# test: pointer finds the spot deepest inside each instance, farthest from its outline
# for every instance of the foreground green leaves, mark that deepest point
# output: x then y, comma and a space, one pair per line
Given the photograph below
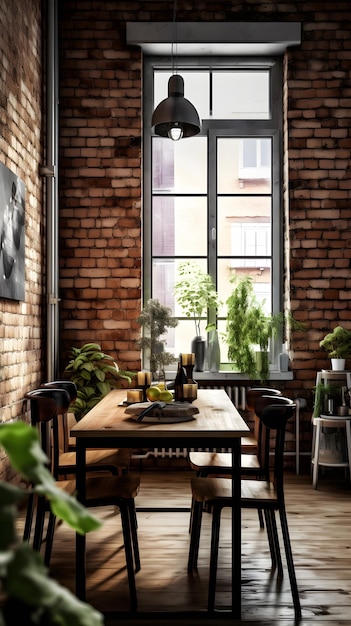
31, 597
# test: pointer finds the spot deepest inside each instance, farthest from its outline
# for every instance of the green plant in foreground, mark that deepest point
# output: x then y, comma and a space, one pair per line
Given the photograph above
95, 374
29, 596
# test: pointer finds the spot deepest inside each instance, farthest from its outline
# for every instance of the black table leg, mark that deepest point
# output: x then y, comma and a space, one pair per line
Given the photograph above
80, 539
236, 529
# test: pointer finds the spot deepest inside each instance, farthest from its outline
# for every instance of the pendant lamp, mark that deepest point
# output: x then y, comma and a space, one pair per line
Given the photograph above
175, 117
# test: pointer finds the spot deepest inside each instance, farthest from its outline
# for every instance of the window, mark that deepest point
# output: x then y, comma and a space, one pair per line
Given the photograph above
215, 198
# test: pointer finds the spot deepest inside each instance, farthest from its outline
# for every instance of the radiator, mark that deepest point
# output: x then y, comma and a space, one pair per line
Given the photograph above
238, 397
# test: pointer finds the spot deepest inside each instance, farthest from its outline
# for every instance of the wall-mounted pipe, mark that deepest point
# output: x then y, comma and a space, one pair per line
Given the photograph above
50, 171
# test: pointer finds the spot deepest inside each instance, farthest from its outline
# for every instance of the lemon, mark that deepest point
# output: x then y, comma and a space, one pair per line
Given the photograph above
153, 393
165, 396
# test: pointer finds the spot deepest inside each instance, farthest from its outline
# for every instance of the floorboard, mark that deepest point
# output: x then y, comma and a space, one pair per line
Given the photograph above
319, 523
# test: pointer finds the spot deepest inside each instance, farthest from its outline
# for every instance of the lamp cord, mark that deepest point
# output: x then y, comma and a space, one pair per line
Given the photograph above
174, 35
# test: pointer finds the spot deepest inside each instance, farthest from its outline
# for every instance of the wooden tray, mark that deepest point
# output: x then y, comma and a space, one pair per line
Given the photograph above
172, 412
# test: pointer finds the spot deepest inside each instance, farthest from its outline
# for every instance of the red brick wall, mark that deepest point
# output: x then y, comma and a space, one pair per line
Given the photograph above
21, 327
100, 176
100, 134
100, 155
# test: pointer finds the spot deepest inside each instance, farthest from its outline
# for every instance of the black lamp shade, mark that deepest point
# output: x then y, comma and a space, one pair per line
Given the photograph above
176, 115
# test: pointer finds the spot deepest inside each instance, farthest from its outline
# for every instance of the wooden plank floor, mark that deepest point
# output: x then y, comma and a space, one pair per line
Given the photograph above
319, 522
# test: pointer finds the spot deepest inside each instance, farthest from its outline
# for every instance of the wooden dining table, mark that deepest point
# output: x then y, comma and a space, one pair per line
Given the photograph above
218, 424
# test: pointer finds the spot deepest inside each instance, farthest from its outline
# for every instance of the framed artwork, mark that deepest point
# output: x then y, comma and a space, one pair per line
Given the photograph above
12, 274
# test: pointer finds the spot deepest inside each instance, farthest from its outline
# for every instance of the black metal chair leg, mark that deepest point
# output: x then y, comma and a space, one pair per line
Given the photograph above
195, 536
134, 533
39, 524
216, 523
49, 538
29, 517
260, 518
290, 564
129, 554
278, 555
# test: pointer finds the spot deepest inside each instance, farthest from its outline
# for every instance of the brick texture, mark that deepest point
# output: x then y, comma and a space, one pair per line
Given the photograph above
101, 169
21, 140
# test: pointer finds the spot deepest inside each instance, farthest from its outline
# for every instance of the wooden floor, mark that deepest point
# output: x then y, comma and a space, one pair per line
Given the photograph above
320, 528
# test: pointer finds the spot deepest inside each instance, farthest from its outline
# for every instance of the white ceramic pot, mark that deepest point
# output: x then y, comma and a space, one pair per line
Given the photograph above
338, 364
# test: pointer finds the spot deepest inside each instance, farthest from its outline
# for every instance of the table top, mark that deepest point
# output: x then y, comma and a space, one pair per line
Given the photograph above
217, 418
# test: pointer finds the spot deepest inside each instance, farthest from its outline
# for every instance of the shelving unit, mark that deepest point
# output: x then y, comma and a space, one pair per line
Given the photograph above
325, 421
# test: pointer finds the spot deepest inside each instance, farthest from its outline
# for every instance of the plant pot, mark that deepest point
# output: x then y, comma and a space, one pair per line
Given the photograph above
262, 363
198, 347
338, 364
213, 353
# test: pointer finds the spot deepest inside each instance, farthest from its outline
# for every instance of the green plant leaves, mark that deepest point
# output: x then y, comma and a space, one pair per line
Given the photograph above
95, 374
22, 446
337, 343
42, 597
195, 292
30, 596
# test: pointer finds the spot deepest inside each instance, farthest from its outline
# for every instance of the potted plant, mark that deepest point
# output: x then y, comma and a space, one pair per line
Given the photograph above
154, 319
95, 374
248, 325
29, 595
196, 294
338, 345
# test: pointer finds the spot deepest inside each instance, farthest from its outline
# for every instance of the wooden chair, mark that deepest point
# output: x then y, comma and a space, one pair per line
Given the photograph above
111, 490
114, 461
207, 463
262, 495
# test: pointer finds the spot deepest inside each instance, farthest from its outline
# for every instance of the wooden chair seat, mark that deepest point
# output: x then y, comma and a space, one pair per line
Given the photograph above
220, 462
249, 444
116, 461
252, 491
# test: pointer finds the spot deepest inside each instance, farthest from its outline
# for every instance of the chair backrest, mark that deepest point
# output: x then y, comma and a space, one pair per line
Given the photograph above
262, 401
274, 418
63, 428
256, 392
252, 396
68, 385
45, 406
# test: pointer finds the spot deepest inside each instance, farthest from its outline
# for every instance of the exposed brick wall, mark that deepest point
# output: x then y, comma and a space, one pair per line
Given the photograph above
101, 168
100, 176
21, 325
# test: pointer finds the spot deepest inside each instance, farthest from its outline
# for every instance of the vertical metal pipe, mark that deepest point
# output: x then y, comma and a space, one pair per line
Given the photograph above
51, 172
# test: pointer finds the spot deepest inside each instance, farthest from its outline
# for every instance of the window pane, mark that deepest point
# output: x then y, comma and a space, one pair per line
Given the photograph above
241, 95
261, 280
196, 89
174, 222
179, 166
244, 165
164, 276
244, 226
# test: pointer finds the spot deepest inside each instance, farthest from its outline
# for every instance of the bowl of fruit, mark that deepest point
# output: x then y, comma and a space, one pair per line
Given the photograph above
154, 393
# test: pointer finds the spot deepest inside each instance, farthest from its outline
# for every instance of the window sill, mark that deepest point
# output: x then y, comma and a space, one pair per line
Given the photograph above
223, 376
